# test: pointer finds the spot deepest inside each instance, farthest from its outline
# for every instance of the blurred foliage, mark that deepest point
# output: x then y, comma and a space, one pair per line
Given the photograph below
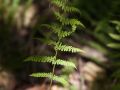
11, 54
8, 8
101, 17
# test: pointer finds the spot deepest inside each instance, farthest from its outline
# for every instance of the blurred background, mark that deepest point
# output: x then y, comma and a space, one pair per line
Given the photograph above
99, 66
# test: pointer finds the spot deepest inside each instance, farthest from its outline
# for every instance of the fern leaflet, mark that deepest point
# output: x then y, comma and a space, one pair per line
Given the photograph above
51, 76
67, 48
50, 59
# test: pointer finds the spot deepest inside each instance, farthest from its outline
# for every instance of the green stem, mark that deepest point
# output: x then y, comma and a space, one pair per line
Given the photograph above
53, 70
52, 77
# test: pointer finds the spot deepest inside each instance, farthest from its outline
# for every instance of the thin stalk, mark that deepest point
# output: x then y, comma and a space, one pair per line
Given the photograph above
53, 70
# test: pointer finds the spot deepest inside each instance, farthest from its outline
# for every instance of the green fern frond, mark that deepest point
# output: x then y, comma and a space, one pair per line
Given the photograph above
54, 27
63, 34
64, 6
62, 18
116, 22
67, 48
68, 21
51, 76
70, 9
58, 29
114, 45
76, 22
47, 59
65, 63
114, 36
60, 80
58, 3
50, 59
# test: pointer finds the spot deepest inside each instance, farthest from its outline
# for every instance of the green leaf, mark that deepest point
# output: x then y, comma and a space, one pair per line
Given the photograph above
51, 76
60, 80
67, 48
65, 63
114, 36
47, 59
50, 59
58, 30
67, 21
114, 45
54, 27
64, 6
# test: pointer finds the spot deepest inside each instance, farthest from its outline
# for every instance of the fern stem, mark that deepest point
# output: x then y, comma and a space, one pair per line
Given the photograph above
53, 70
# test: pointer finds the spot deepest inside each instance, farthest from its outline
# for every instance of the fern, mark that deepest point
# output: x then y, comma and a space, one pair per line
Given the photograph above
67, 48
59, 29
67, 21
50, 59
115, 36
64, 6
115, 45
51, 76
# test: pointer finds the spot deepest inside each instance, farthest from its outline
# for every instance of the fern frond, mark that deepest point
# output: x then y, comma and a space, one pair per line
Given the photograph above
62, 18
70, 9
64, 6
117, 25
68, 21
60, 80
54, 27
65, 63
63, 34
114, 36
58, 30
50, 59
51, 76
116, 22
47, 59
67, 48
114, 45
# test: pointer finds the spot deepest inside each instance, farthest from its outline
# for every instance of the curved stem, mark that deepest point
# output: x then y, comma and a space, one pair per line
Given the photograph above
53, 71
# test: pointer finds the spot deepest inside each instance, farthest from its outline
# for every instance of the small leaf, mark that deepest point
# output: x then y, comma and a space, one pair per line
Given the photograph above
114, 36
51, 76
114, 45
48, 59
65, 63
67, 48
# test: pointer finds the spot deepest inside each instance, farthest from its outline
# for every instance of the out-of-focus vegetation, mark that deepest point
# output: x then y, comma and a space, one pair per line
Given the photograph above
102, 17
20, 22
